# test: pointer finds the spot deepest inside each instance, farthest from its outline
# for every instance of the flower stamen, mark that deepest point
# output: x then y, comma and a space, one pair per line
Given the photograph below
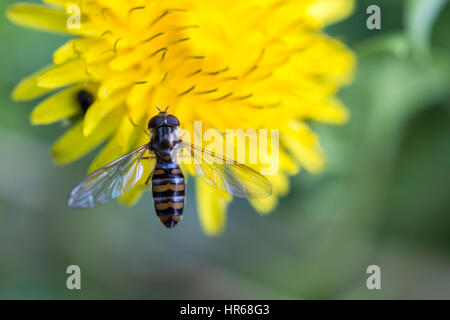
195, 57
187, 91
223, 97
105, 33
215, 73
163, 50
194, 73
207, 91
103, 13
230, 78
252, 69
135, 8
243, 97
114, 49
165, 13
180, 40
153, 37
187, 27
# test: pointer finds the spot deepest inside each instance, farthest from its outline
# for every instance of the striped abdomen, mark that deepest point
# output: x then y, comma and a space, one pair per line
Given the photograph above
168, 193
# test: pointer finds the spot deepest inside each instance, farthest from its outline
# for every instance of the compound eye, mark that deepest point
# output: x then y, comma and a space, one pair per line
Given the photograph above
172, 120
156, 121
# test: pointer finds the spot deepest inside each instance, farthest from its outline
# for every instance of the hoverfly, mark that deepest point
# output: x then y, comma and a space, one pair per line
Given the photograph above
168, 183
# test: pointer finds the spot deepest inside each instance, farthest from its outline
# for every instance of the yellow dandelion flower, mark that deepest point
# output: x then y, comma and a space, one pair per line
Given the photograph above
231, 64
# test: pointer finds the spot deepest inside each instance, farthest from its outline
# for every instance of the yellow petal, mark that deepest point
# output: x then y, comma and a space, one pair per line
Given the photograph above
73, 144
288, 164
280, 183
72, 49
100, 109
331, 111
127, 134
303, 144
264, 205
27, 89
109, 153
59, 106
65, 52
98, 70
188, 167
211, 208
118, 81
330, 11
61, 75
38, 17
131, 197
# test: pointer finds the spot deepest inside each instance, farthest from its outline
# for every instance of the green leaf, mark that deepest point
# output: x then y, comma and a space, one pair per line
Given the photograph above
420, 17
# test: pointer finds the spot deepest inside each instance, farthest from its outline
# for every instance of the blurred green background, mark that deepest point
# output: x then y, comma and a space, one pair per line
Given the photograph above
384, 199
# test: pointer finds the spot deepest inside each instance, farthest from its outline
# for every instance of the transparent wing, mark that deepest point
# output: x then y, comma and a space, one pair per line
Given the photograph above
109, 182
230, 176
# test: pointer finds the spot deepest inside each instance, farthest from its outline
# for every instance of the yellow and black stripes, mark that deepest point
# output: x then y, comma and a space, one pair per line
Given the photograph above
168, 192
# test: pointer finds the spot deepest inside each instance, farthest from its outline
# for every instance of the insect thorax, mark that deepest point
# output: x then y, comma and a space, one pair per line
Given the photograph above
163, 142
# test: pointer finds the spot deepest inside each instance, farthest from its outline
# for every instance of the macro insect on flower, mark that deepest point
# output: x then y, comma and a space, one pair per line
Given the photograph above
230, 64
168, 183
